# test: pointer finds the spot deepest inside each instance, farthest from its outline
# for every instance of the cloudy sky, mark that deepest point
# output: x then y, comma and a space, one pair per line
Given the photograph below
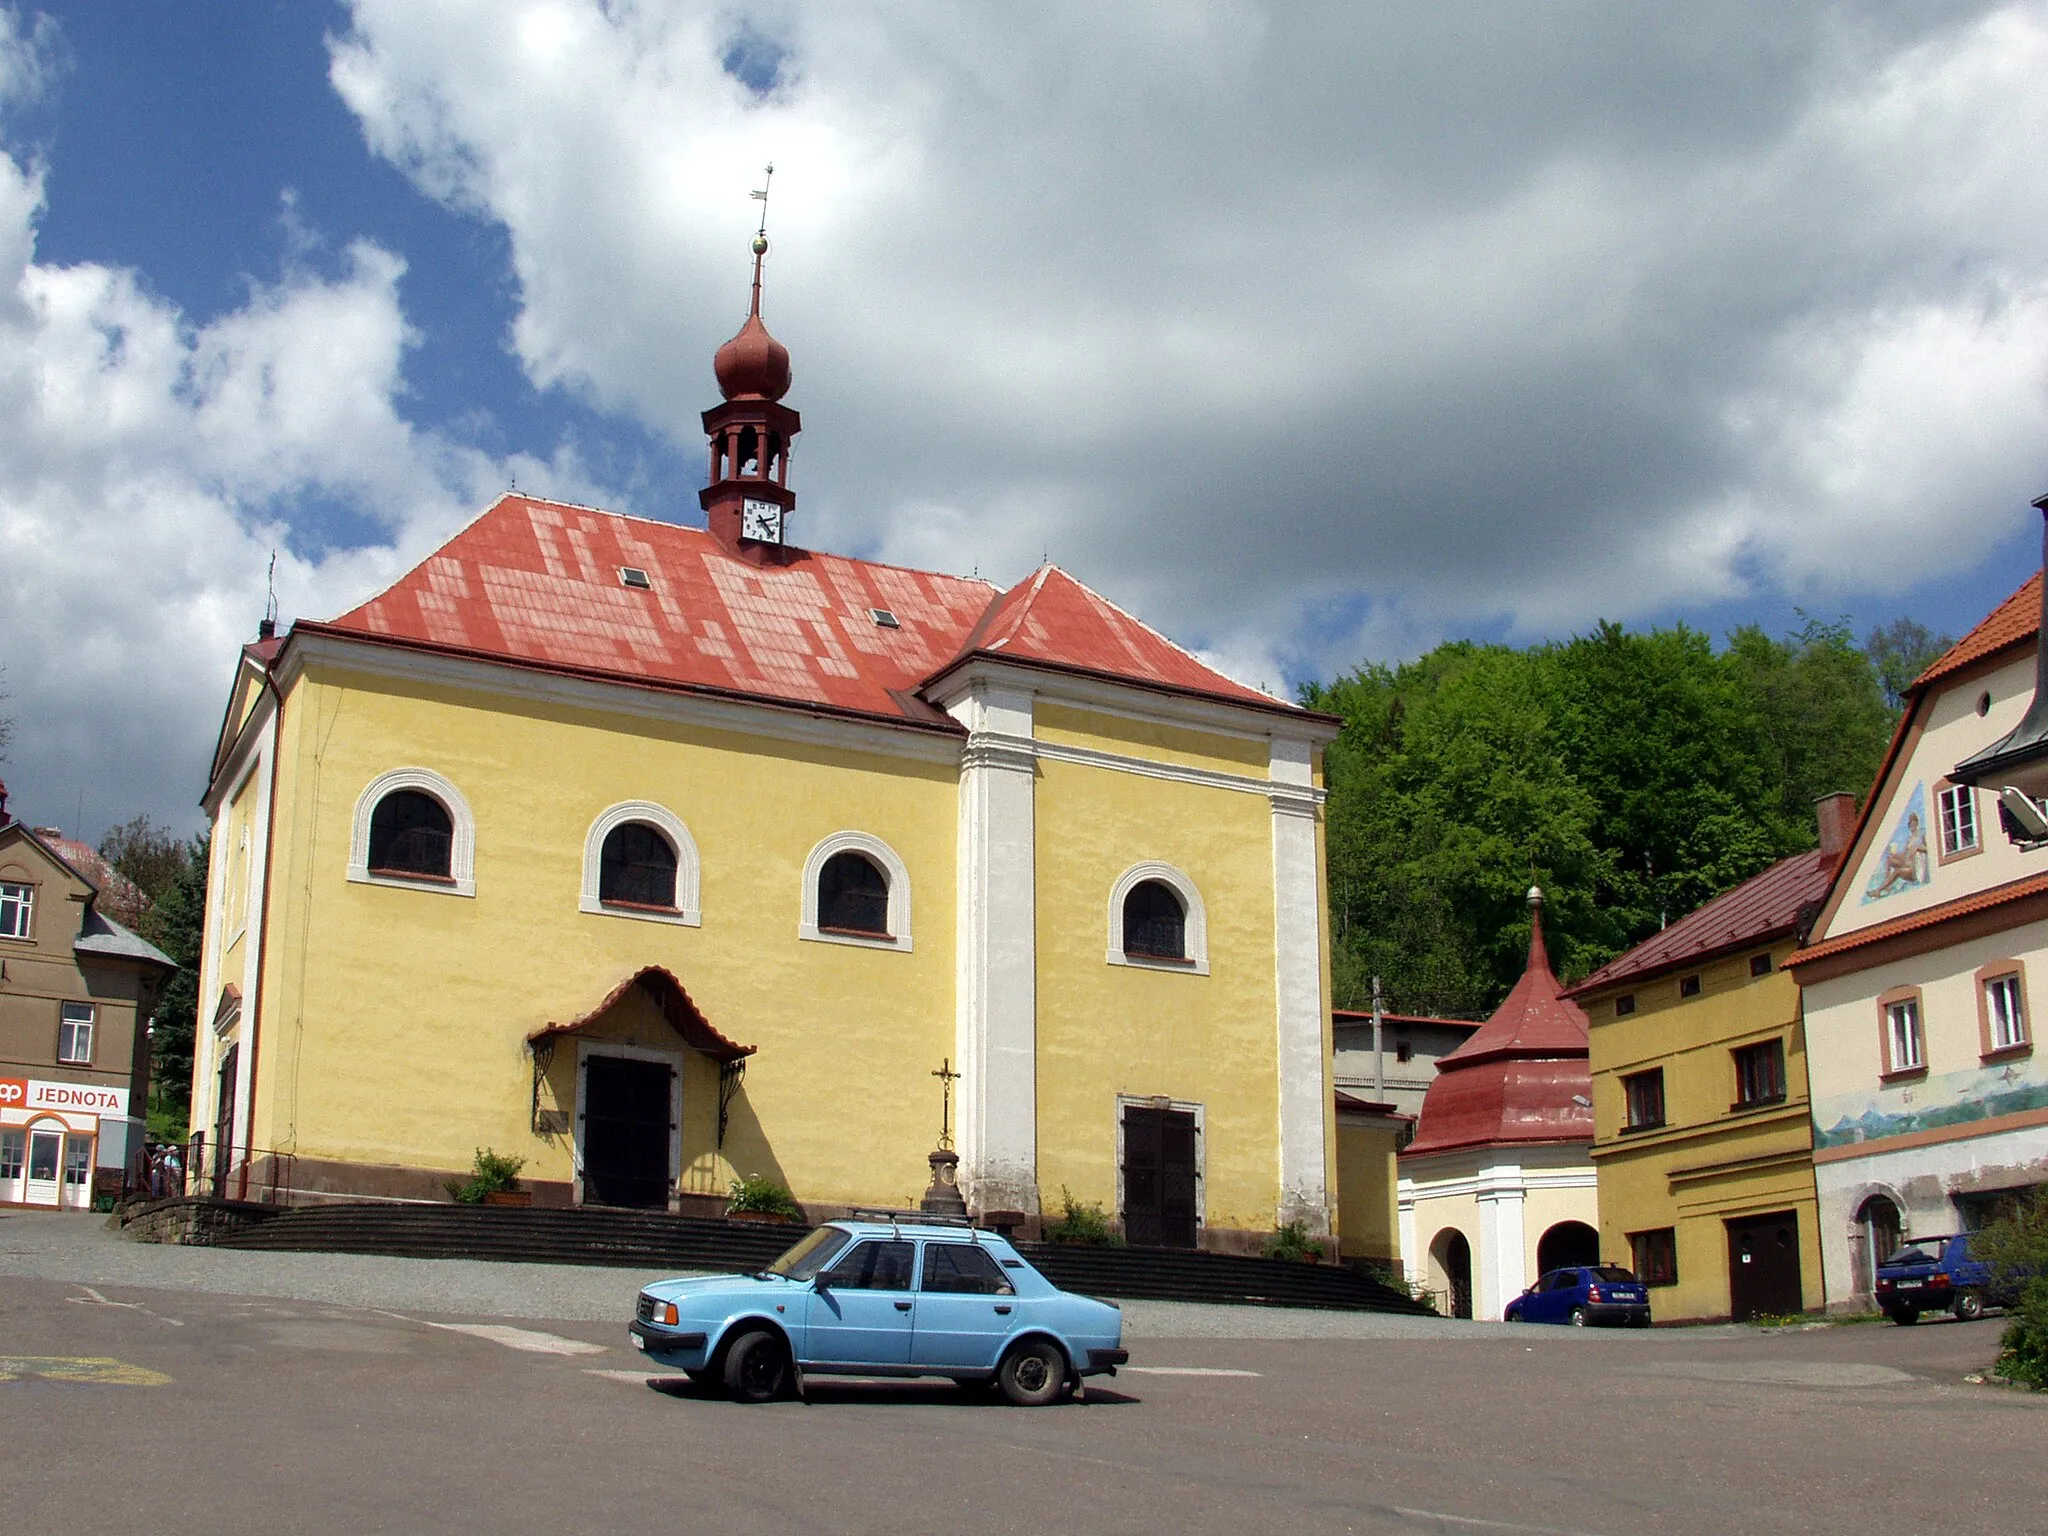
1313, 334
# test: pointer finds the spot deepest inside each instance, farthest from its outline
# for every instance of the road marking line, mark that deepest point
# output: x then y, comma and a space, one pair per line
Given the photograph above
1182, 1370
528, 1339
632, 1378
87, 1370
93, 1298
1481, 1525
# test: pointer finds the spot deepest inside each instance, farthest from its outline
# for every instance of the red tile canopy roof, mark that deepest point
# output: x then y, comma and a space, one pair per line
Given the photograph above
1764, 907
1523, 1077
539, 583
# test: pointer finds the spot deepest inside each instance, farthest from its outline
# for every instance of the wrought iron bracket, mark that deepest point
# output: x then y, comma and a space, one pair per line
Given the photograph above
730, 1074
543, 1058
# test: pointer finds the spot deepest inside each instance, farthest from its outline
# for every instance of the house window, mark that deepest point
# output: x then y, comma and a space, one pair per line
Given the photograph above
637, 867
1155, 924
2002, 1007
1656, 1256
1688, 986
1760, 965
1403, 1051
77, 1161
1624, 1005
74, 1034
1957, 809
1760, 1073
1904, 1049
853, 895
17, 908
411, 834
1643, 1093
13, 1146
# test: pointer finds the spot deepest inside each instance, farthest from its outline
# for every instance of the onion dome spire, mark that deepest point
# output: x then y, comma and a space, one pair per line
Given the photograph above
754, 365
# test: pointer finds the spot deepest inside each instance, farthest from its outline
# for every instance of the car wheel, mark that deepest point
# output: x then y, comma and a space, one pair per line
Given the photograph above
1969, 1306
757, 1367
1906, 1317
1512, 1315
1580, 1317
1033, 1374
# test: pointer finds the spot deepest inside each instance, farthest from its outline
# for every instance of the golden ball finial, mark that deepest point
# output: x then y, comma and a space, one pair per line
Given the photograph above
760, 245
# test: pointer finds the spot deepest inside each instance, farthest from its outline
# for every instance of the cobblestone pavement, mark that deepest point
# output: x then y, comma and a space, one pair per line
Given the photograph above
82, 1248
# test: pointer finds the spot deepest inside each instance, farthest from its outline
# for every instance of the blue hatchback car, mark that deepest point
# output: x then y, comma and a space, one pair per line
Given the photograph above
1583, 1295
883, 1298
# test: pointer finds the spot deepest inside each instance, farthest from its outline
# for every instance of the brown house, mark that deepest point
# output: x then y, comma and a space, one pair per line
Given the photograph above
76, 991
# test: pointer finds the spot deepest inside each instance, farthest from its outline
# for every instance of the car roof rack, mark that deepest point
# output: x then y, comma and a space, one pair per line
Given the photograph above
902, 1218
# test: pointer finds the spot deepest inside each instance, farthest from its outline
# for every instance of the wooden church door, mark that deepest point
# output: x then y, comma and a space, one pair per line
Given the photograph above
1159, 1177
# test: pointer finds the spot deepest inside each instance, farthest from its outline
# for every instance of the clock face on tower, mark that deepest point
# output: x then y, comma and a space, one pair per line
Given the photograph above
761, 521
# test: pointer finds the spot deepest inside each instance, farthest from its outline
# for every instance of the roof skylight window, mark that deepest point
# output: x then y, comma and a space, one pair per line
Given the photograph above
884, 619
633, 576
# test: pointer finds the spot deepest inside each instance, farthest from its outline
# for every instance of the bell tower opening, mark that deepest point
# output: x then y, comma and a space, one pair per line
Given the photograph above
748, 500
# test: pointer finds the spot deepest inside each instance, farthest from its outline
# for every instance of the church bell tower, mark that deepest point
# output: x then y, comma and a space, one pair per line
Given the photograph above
748, 499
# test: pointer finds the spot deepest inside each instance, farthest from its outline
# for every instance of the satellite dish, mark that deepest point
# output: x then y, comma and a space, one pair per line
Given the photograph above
2022, 813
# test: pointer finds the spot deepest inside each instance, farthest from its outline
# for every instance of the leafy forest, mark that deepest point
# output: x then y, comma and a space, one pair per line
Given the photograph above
1632, 775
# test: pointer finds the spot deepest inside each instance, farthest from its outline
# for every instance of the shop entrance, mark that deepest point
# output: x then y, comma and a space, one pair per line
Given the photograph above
45, 1162
1763, 1267
627, 1124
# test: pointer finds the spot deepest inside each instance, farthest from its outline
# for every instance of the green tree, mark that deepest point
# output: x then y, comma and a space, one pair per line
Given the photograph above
1823, 712
151, 856
1901, 651
176, 925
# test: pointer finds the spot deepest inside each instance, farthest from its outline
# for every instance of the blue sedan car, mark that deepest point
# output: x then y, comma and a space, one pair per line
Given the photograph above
1582, 1295
883, 1298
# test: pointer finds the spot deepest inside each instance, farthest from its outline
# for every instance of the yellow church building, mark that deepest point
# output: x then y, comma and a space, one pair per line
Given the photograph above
662, 856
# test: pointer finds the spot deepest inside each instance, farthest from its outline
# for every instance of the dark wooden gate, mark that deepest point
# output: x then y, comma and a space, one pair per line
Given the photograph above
1159, 1177
626, 1131
1763, 1266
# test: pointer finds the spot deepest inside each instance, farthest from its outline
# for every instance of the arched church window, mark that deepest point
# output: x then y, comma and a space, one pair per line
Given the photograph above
411, 833
853, 895
637, 867
1155, 923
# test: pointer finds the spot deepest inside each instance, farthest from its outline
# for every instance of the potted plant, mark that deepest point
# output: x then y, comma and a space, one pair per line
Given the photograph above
494, 1180
1293, 1244
760, 1198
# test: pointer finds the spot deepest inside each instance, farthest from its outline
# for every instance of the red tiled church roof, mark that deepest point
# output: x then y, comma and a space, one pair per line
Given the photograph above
2012, 622
537, 582
1765, 906
1523, 1077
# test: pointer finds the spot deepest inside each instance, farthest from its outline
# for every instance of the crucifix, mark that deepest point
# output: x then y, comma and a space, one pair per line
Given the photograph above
947, 1077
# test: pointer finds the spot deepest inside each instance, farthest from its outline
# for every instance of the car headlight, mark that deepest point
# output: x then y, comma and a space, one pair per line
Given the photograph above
664, 1313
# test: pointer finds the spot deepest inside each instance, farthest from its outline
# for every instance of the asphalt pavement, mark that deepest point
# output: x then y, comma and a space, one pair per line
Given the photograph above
187, 1390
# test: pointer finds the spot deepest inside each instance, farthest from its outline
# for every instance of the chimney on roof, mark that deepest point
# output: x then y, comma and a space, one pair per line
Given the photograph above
3, 802
266, 628
1837, 816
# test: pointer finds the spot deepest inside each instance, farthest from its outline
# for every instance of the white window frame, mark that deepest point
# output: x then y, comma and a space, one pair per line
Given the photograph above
462, 845
1903, 1026
1956, 812
2007, 1025
75, 1171
893, 870
13, 1152
1195, 928
68, 1024
22, 896
687, 912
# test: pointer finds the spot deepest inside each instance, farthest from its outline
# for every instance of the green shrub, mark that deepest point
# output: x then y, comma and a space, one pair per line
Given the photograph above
764, 1197
489, 1174
2016, 1248
1292, 1242
1084, 1224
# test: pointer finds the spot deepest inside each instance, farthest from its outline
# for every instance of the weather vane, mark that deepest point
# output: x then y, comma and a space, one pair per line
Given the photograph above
947, 1077
760, 195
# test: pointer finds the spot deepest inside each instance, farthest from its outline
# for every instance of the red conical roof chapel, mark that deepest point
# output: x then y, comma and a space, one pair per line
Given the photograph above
1523, 1077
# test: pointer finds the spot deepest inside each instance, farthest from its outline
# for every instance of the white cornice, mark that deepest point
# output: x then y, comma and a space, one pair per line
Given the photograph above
1300, 798
778, 723
1248, 722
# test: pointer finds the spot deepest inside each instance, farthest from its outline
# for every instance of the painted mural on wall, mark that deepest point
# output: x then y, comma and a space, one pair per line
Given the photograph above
1952, 1098
1902, 861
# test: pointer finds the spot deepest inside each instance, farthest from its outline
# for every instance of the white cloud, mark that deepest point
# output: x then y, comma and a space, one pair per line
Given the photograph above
152, 467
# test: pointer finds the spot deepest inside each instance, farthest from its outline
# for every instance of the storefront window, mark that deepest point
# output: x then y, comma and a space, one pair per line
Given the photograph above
13, 1145
77, 1161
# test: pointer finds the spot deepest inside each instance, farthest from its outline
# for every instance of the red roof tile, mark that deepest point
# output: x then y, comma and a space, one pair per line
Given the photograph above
538, 582
676, 1006
1765, 906
1962, 906
1522, 1078
2013, 621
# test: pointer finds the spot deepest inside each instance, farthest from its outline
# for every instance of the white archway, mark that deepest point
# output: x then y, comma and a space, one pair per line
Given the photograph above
1195, 932
462, 825
687, 912
893, 870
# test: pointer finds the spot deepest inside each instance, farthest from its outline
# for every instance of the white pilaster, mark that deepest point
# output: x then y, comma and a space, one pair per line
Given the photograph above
1301, 1016
1414, 1262
996, 1008
1502, 1241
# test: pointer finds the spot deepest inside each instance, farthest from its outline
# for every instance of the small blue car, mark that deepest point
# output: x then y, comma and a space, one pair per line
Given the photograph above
1937, 1274
1582, 1295
883, 1298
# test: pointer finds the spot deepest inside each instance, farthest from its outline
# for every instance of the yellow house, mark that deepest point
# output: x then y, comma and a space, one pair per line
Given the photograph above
1703, 1140
662, 856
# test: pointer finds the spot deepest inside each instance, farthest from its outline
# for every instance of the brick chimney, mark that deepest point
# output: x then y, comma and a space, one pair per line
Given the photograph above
1837, 816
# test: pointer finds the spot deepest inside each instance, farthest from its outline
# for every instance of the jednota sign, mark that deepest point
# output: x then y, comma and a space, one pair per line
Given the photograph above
77, 1098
